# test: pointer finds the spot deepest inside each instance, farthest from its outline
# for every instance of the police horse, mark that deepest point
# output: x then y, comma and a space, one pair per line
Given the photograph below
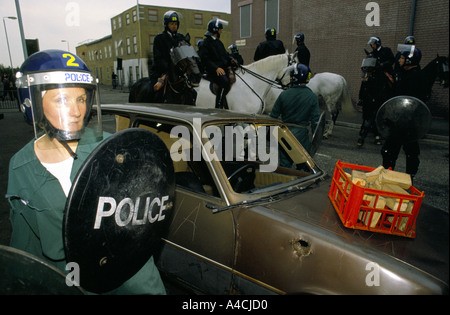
179, 85
252, 91
332, 89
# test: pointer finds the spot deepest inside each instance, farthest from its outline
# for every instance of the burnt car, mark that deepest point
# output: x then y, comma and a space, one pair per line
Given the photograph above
252, 214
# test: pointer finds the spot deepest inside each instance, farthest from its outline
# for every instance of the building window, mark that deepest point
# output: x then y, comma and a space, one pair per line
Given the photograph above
152, 15
114, 24
272, 12
151, 39
127, 17
120, 21
246, 21
198, 18
128, 46
135, 44
134, 16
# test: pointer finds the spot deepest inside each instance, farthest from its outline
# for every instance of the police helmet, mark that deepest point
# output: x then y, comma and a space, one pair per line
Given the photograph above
412, 56
271, 33
300, 74
410, 40
171, 16
54, 86
299, 38
374, 40
215, 25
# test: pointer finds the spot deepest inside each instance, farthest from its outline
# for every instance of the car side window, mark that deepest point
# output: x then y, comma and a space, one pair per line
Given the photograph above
190, 173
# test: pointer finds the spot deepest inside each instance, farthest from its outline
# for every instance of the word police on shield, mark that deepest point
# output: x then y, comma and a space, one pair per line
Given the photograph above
119, 207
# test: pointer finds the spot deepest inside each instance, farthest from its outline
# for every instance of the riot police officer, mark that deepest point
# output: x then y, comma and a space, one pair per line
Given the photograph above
162, 45
235, 54
271, 46
59, 89
303, 53
408, 83
383, 54
216, 60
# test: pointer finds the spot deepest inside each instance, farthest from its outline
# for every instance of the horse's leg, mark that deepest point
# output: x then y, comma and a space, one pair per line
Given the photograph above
330, 123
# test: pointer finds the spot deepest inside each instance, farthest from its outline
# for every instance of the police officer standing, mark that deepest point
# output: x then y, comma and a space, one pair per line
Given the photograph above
271, 46
216, 60
408, 82
303, 53
162, 45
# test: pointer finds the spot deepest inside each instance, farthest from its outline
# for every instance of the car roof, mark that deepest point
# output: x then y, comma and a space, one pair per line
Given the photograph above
186, 112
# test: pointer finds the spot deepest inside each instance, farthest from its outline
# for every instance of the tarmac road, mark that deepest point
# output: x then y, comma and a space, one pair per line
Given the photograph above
433, 176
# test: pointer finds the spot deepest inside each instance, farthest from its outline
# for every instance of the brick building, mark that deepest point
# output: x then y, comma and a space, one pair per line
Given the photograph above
131, 41
336, 32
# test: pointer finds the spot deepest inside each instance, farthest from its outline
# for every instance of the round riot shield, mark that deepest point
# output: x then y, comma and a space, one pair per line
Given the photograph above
22, 273
404, 117
119, 207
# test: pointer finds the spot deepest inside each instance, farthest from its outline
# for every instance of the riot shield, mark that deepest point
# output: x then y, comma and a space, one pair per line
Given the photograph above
22, 273
318, 135
119, 207
404, 117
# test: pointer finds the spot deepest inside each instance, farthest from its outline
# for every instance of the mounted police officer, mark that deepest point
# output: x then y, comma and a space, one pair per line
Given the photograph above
383, 54
303, 53
298, 106
216, 60
408, 82
408, 42
162, 45
271, 46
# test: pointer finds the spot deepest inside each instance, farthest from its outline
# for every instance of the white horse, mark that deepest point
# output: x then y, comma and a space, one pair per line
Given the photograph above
249, 94
331, 89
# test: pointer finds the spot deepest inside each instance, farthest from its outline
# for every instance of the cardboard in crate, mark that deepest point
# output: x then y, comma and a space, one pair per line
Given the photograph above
375, 199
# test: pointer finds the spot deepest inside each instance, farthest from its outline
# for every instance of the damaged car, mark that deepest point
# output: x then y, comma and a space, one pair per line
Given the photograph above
252, 214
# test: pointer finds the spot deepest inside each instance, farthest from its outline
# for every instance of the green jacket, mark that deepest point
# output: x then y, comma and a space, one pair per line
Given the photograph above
37, 208
300, 106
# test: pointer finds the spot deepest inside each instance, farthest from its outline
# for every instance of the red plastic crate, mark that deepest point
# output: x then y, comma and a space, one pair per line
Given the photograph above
356, 212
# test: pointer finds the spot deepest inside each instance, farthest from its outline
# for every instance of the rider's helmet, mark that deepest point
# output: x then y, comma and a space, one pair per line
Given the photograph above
299, 38
59, 82
171, 16
300, 74
410, 40
234, 49
374, 40
271, 33
215, 25
412, 56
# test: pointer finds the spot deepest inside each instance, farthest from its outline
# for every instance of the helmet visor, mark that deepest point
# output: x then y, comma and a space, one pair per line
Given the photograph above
65, 111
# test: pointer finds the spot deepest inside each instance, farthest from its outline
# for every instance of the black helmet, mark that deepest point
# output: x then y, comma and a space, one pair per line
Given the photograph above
412, 56
271, 33
410, 40
171, 16
299, 38
215, 25
300, 74
374, 40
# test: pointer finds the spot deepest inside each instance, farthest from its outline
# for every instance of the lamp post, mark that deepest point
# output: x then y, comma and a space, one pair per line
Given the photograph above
66, 41
6, 33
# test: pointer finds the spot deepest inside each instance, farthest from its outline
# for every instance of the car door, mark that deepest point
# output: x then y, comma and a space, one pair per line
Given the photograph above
199, 247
